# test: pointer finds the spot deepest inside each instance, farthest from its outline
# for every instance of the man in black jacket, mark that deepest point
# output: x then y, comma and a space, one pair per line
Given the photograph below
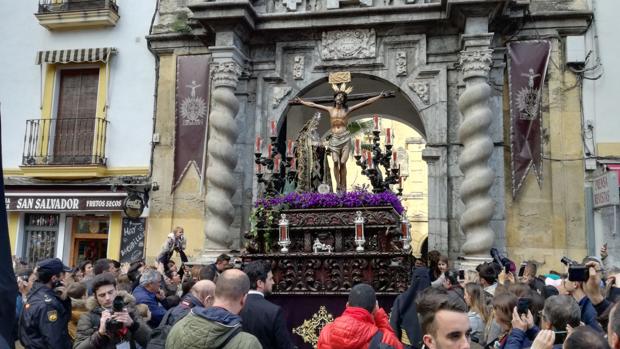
262, 318
404, 317
43, 323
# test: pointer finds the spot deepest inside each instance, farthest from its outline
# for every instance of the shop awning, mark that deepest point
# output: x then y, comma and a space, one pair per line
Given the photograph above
81, 55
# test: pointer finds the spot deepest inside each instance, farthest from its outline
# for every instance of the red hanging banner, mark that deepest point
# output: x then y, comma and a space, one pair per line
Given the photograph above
527, 69
192, 109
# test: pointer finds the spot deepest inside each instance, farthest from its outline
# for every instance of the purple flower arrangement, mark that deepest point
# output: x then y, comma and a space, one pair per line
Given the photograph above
353, 199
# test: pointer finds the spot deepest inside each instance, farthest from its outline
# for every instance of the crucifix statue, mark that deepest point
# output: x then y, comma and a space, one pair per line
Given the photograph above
340, 140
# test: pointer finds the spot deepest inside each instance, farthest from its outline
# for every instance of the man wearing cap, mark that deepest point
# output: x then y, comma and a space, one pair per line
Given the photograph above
44, 320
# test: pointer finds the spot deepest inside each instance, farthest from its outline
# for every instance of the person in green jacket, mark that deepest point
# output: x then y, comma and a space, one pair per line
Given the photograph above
220, 325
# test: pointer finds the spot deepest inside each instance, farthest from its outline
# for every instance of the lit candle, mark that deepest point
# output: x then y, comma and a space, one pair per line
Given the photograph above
369, 158
283, 233
289, 148
394, 159
259, 169
375, 120
276, 164
388, 136
273, 128
359, 231
269, 148
293, 164
404, 229
357, 147
259, 143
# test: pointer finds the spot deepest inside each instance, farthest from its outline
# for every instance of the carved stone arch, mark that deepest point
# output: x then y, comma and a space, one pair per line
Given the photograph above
412, 119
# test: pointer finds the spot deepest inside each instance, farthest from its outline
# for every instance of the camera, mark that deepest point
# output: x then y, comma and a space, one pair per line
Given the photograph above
523, 305
576, 271
113, 325
522, 269
501, 261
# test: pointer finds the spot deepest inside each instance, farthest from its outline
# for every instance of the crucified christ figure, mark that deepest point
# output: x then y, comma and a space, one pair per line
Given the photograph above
340, 141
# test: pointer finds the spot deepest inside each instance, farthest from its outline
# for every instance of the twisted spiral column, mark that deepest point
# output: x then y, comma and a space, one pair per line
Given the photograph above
221, 184
475, 61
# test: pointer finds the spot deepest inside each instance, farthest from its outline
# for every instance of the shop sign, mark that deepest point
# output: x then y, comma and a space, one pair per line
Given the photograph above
133, 205
132, 240
71, 203
605, 190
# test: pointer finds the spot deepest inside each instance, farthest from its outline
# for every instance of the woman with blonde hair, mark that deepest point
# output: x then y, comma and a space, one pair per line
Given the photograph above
479, 313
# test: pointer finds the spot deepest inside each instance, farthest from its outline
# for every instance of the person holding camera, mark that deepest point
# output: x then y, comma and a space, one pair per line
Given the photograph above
588, 313
111, 321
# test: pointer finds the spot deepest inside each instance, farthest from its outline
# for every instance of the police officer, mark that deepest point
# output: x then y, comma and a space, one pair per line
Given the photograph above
44, 319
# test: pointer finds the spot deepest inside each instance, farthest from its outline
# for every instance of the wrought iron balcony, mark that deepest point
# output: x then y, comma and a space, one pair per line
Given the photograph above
75, 14
47, 6
66, 141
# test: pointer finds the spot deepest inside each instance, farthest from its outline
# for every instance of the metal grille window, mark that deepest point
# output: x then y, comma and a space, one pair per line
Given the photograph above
41, 231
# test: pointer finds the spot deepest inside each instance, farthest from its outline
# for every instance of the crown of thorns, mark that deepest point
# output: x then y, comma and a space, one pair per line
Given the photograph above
342, 88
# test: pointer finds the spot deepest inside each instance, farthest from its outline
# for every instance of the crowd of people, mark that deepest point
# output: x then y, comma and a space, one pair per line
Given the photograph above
105, 304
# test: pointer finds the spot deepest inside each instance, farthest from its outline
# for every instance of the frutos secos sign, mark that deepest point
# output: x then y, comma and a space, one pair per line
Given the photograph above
70, 202
605, 190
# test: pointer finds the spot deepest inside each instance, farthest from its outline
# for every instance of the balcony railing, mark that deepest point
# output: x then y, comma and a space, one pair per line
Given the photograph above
66, 141
55, 6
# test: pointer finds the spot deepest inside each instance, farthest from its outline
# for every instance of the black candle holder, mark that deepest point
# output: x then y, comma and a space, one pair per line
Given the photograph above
274, 183
379, 158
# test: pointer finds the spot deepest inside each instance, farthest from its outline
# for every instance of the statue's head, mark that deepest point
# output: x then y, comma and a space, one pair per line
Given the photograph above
340, 99
340, 94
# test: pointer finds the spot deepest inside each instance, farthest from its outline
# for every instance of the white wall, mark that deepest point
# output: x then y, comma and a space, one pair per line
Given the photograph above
132, 77
601, 96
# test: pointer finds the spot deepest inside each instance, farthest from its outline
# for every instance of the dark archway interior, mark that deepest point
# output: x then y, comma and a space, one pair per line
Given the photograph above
399, 108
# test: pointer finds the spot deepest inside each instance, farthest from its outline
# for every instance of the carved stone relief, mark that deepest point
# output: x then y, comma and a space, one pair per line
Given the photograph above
279, 92
476, 61
401, 63
298, 68
348, 44
334, 4
291, 5
422, 90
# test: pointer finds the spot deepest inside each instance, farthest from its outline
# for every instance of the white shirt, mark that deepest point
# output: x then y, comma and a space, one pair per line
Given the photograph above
256, 292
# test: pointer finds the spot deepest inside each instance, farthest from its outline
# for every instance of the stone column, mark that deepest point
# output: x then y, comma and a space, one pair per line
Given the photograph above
475, 62
222, 158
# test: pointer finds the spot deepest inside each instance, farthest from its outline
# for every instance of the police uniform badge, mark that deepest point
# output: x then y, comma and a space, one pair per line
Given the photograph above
52, 315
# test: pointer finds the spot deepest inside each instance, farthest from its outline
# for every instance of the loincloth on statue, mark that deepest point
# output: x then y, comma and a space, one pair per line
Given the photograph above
339, 142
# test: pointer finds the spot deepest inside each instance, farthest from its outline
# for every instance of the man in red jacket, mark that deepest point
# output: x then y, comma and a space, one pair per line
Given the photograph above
362, 325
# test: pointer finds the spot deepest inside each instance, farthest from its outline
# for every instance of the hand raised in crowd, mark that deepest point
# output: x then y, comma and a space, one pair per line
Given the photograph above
510, 277
501, 278
124, 268
522, 321
544, 340
604, 252
592, 287
124, 318
105, 316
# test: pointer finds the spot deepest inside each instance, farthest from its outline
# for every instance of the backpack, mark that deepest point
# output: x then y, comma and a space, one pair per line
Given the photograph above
158, 337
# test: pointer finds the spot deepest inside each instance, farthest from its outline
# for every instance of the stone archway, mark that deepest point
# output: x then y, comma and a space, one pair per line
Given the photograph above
420, 103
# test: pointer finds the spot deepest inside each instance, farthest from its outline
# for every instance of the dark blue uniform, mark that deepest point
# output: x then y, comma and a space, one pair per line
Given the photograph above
44, 319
